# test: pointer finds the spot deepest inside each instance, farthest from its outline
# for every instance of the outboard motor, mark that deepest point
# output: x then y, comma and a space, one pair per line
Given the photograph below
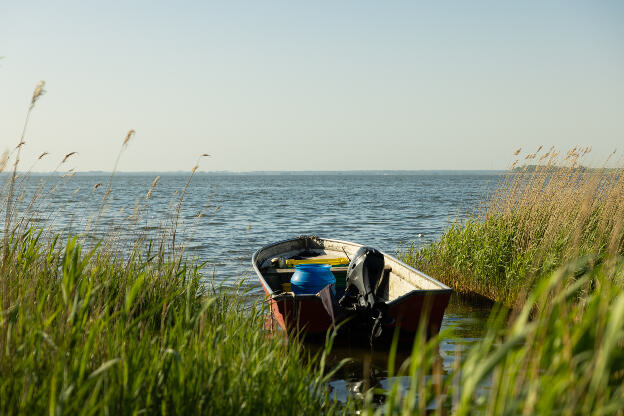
363, 276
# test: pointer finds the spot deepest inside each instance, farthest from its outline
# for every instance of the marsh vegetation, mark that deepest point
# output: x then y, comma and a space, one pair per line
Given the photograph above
539, 219
90, 325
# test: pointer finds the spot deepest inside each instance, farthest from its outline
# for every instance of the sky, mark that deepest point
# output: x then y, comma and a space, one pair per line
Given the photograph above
316, 85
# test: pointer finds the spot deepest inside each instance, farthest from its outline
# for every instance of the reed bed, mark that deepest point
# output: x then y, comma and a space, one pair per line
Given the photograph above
561, 354
541, 217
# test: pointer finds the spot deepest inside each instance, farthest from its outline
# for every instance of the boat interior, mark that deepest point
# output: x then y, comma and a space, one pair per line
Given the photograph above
397, 280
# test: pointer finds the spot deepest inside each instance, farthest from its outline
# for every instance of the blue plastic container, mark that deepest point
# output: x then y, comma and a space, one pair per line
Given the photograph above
311, 278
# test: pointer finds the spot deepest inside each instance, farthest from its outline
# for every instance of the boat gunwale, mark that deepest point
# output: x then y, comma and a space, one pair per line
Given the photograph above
271, 293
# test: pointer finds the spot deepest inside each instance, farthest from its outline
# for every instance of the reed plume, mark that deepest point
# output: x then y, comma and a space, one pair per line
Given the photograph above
154, 183
67, 156
129, 136
4, 158
38, 92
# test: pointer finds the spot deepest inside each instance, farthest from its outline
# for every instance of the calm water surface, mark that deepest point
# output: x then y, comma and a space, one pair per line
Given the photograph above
227, 217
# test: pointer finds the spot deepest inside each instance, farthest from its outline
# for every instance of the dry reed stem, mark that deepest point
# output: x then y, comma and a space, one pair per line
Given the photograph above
37, 93
174, 224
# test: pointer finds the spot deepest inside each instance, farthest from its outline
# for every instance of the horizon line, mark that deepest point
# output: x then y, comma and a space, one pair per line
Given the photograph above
226, 172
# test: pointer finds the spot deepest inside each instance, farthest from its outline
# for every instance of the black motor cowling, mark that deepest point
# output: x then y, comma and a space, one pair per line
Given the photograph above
363, 275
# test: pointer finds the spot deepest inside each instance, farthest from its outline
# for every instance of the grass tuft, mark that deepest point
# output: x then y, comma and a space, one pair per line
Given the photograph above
90, 331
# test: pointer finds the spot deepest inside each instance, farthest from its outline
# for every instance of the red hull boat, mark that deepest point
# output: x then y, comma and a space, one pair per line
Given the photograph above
410, 297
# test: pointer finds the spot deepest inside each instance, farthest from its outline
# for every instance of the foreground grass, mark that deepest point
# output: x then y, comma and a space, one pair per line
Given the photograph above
93, 333
122, 328
561, 354
538, 220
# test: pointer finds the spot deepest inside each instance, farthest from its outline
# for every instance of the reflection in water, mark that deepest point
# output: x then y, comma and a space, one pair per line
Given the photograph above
463, 325
366, 369
466, 317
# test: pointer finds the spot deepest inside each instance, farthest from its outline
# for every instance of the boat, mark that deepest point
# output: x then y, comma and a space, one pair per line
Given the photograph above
409, 298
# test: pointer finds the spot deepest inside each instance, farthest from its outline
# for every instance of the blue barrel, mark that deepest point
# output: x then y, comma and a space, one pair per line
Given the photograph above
311, 278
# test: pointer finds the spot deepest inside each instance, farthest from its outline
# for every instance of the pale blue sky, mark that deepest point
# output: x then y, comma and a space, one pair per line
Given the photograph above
311, 85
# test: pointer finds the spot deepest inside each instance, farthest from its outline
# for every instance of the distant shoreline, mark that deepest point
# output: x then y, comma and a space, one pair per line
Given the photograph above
292, 173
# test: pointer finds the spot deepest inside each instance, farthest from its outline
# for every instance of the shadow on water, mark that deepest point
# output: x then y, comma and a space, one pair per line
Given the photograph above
368, 367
